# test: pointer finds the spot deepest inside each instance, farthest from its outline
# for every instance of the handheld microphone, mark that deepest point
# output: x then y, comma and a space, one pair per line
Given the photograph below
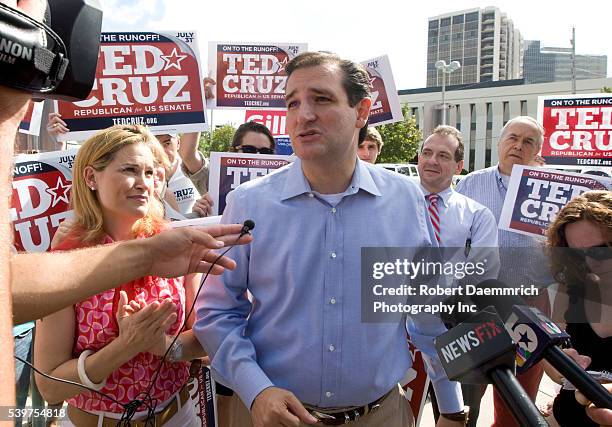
537, 337
481, 351
247, 226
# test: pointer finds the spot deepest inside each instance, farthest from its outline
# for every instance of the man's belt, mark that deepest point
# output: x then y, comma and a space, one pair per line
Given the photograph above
340, 417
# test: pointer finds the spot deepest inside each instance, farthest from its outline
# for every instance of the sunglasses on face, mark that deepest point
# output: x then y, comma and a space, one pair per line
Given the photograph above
599, 253
252, 150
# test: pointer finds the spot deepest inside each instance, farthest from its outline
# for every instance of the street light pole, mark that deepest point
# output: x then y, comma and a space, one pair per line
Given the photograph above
446, 69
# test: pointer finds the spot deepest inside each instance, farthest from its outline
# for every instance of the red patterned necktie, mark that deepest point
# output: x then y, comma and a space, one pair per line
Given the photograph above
434, 213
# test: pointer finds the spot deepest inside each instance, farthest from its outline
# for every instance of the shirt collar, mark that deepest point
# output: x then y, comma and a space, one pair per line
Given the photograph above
444, 194
297, 184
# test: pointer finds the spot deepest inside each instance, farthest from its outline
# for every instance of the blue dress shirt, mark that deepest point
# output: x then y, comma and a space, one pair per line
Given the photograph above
301, 328
523, 261
462, 218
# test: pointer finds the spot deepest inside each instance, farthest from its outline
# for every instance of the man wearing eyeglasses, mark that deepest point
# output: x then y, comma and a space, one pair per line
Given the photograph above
523, 261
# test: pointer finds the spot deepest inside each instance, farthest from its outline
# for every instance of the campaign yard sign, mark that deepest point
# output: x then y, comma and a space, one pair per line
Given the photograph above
144, 78
40, 198
251, 74
229, 170
30, 124
577, 129
386, 107
535, 196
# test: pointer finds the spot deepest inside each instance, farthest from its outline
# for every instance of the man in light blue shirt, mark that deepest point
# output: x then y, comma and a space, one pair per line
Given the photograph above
299, 342
523, 261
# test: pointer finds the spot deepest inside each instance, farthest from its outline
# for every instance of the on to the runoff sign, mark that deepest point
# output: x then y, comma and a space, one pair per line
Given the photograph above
143, 78
251, 74
577, 129
535, 196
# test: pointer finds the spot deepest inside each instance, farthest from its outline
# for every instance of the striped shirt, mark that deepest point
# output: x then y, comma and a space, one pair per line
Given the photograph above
523, 260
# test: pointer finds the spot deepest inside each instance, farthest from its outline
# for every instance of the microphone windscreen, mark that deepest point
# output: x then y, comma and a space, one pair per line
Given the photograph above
249, 224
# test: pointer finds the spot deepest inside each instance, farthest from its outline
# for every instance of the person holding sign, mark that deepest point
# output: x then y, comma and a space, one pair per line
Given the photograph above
298, 353
580, 246
522, 259
121, 333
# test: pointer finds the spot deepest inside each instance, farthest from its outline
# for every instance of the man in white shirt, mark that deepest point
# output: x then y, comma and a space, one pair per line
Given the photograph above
458, 221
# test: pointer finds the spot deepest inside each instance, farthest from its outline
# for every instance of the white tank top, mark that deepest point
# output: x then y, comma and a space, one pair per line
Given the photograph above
184, 190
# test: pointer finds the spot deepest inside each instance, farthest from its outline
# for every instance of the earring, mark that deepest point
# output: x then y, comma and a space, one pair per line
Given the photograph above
92, 188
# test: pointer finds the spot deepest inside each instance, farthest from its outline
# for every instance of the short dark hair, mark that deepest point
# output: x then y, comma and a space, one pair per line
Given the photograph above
371, 134
244, 128
356, 81
444, 130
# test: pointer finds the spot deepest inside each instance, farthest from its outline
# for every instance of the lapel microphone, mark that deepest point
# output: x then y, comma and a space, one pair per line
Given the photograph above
247, 226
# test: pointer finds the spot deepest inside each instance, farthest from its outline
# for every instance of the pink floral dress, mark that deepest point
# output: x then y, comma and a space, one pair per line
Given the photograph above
96, 326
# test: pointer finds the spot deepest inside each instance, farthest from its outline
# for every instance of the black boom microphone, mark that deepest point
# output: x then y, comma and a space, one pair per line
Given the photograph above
538, 338
481, 351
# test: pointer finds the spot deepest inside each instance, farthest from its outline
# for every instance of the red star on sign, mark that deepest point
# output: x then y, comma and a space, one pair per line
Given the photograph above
173, 60
281, 65
59, 192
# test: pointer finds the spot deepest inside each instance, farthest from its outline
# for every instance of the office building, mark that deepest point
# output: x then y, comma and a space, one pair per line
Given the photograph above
552, 64
484, 41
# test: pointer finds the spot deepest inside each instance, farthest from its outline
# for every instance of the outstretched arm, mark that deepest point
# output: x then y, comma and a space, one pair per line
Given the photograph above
45, 283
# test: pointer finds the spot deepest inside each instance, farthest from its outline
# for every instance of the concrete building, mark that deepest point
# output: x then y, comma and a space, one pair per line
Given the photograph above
551, 64
480, 111
484, 41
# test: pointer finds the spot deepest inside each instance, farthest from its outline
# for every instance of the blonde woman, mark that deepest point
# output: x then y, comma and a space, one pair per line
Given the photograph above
113, 341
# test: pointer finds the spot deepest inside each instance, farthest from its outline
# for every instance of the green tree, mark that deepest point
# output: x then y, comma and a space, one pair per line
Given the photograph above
221, 140
401, 140
606, 89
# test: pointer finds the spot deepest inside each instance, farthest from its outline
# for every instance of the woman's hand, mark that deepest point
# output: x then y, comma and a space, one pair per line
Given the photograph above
142, 327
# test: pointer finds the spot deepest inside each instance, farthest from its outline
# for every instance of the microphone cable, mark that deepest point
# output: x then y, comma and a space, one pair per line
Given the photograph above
131, 408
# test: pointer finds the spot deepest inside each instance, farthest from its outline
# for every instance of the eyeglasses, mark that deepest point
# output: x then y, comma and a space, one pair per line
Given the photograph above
599, 253
252, 150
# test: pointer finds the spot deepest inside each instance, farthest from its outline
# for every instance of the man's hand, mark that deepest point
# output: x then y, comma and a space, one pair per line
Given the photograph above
601, 416
208, 84
278, 407
191, 249
33, 8
203, 206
